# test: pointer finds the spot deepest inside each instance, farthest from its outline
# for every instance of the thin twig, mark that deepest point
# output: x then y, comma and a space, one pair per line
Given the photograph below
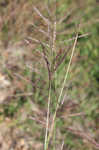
29, 39
22, 94
44, 18
62, 59
39, 121
80, 36
66, 16
74, 115
40, 30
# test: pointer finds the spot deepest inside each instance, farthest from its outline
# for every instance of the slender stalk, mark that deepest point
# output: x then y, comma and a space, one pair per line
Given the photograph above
59, 99
47, 120
49, 95
62, 145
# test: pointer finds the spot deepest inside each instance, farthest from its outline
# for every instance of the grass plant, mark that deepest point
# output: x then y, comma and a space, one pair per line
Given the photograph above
55, 74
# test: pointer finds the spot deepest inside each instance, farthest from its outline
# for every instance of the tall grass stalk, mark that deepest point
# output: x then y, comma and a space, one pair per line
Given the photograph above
52, 41
50, 67
52, 47
49, 95
59, 99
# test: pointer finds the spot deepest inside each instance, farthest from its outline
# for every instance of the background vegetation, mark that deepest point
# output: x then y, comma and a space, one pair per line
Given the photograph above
26, 55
